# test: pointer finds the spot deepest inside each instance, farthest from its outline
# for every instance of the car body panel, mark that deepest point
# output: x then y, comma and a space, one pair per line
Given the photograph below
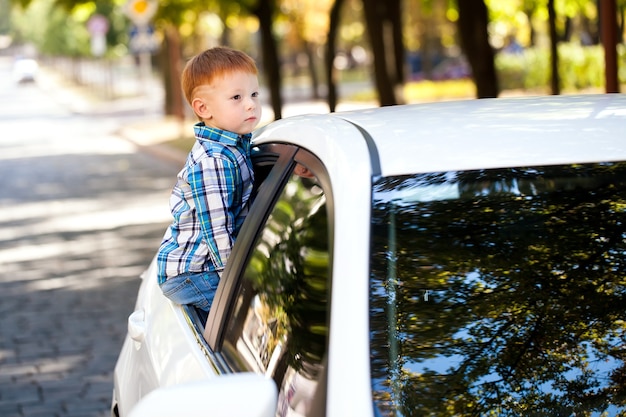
259, 393
166, 354
494, 133
477, 134
345, 153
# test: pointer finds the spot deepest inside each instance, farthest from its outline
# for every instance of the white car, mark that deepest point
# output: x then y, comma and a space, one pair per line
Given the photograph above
442, 259
25, 70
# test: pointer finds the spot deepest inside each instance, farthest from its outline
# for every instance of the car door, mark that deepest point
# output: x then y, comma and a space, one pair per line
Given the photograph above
272, 309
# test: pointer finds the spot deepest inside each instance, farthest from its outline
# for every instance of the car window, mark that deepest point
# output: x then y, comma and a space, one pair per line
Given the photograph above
500, 292
278, 325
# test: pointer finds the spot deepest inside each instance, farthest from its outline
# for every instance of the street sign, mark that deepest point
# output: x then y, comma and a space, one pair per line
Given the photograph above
98, 25
143, 39
140, 11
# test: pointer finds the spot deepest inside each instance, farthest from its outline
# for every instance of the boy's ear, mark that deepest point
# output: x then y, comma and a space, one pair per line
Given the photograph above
200, 108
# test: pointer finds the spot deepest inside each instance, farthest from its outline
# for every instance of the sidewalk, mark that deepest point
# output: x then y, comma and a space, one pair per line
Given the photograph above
156, 134
153, 131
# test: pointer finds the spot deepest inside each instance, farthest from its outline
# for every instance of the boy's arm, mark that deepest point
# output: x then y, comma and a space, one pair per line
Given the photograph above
213, 184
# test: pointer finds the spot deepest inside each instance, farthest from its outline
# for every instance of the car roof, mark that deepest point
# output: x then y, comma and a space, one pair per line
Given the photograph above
482, 133
493, 133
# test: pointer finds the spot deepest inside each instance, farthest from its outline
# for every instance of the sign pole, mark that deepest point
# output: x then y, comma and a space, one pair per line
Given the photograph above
145, 64
141, 12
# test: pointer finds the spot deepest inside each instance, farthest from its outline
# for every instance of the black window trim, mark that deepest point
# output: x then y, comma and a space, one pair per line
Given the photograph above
281, 156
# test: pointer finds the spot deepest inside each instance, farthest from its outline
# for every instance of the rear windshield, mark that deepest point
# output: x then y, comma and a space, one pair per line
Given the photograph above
500, 292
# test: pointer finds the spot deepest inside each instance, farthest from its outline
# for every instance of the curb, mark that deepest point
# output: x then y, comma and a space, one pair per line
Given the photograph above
153, 136
161, 150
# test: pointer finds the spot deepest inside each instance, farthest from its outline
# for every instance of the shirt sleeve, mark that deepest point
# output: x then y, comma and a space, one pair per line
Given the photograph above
213, 182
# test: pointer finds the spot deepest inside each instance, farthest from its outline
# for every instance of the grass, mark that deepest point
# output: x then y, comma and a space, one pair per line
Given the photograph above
426, 91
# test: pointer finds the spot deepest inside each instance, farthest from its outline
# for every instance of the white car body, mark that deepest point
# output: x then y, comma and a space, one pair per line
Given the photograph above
163, 351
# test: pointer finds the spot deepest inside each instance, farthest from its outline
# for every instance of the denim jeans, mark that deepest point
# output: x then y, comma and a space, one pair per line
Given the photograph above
195, 288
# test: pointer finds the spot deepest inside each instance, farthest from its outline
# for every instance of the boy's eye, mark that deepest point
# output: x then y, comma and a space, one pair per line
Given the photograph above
255, 94
236, 97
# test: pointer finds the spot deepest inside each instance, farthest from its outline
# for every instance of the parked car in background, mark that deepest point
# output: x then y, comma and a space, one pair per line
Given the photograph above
442, 259
25, 70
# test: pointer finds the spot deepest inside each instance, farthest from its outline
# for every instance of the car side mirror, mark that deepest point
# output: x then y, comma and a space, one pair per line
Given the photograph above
233, 395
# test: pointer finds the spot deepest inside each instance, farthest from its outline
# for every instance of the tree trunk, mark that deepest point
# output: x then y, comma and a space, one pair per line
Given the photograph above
395, 18
555, 81
172, 68
331, 51
620, 28
474, 40
310, 54
608, 27
567, 30
378, 27
529, 16
271, 63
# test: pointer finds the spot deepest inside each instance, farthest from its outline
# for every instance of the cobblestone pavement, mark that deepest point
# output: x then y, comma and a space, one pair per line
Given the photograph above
81, 214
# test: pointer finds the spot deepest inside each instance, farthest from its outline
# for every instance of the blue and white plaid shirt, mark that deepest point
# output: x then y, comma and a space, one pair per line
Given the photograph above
209, 203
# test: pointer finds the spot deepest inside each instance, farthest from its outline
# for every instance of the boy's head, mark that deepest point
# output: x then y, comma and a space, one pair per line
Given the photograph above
213, 63
222, 88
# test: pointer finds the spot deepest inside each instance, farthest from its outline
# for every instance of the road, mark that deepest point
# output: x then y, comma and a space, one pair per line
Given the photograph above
82, 212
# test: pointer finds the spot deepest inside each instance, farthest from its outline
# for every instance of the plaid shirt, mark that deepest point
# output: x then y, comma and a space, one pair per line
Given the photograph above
209, 203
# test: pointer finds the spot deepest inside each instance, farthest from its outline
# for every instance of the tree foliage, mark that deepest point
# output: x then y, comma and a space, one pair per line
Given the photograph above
60, 27
280, 33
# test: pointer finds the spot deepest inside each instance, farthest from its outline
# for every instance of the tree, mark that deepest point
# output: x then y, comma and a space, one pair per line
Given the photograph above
5, 18
264, 10
554, 51
171, 65
308, 29
59, 28
185, 13
474, 40
384, 25
608, 23
170, 17
331, 52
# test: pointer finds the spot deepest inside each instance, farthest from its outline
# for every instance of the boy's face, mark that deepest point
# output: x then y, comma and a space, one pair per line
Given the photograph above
230, 102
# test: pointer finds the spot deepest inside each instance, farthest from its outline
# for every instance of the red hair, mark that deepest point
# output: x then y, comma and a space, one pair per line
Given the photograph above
203, 68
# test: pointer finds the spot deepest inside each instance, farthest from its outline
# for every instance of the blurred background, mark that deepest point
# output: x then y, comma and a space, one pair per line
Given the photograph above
382, 51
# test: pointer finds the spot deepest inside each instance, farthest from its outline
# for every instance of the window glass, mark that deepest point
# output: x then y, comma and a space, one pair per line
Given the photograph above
500, 292
279, 324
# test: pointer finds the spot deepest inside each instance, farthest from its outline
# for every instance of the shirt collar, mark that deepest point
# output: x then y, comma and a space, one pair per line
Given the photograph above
205, 132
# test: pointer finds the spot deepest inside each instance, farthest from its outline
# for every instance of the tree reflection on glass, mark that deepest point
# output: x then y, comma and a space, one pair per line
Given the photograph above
500, 292
279, 325
291, 270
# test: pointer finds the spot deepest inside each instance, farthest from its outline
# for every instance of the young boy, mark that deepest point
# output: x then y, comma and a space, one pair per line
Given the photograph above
210, 199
